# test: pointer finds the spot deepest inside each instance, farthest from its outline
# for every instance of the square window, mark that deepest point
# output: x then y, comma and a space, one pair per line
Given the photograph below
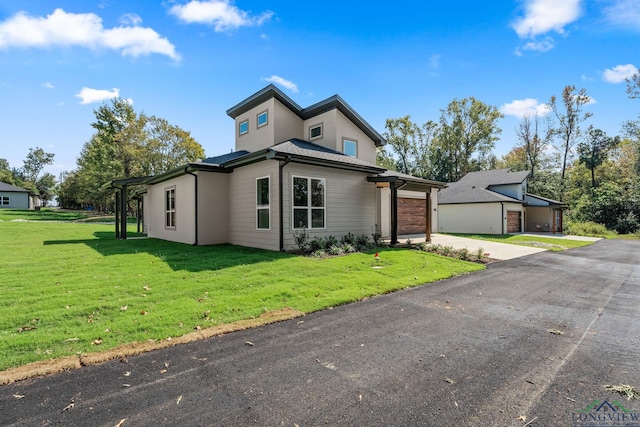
243, 127
350, 148
262, 119
315, 132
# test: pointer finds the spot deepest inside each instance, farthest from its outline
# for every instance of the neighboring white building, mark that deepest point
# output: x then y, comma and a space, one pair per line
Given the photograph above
12, 197
496, 202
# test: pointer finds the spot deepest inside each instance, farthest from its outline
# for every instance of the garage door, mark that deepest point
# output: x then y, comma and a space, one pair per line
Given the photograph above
412, 216
513, 221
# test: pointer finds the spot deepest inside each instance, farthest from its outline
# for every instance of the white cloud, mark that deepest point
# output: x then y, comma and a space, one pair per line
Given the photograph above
130, 19
84, 30
222, 14
434, 61
48, 85
524, 107
89, 96
536, 46
624, 13
283, 82
619, 73
543, 16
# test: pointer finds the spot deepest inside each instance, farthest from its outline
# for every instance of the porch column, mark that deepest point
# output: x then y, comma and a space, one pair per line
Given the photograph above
394, 214
428, 231
139, 212
116, 195
123, 213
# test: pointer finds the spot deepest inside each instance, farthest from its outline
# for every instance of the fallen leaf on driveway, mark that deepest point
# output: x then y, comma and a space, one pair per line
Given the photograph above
179, 399
249, 343
26, 328
448, 380
18, 396
69, 406
121, 422
555, 331
96, 342
522, 418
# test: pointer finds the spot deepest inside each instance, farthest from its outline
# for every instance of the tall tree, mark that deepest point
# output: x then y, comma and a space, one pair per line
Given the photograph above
535, 139
167, 146
410, 142
569, 115
594, 150
467, 131
35, 162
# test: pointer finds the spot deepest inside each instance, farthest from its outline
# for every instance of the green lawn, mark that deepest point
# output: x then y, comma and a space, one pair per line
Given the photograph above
44, 214
70, 288
551, 243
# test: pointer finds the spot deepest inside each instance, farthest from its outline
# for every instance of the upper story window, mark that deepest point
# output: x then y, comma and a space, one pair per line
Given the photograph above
315, 132
350, 148
263, 119
262, 204
243, 127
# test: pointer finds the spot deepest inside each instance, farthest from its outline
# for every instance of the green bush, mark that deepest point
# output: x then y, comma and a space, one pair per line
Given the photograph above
587, 228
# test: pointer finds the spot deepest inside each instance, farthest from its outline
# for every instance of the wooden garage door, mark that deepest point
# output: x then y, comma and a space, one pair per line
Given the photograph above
412, 216
513, 221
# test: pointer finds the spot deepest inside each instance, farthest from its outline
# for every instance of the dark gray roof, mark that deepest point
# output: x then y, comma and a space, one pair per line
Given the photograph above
11, 188
333, 102
218, 160
475, 187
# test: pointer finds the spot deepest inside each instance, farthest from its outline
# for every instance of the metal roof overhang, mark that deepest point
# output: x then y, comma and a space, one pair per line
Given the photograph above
410, 184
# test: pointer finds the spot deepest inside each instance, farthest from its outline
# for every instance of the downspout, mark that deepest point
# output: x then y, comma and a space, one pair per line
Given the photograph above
187, 171
502, 215
394, 212
280, 200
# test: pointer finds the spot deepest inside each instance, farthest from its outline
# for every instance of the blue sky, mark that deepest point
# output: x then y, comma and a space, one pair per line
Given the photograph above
189, 61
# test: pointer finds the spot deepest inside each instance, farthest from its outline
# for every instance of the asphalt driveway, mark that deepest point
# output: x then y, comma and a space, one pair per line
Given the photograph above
530, 340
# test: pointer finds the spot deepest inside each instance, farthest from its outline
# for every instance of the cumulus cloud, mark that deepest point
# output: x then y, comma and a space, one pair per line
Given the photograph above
89, 96
283, 82
82, 29
624, 13
48, 85
222, 14
524, 107
131, 19
619, 73
543, 16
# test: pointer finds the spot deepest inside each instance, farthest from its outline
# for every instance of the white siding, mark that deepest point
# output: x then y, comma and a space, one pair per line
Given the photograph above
16, 200
184, 231
242, 206
484, 218
350, 200
213, 208
257, 138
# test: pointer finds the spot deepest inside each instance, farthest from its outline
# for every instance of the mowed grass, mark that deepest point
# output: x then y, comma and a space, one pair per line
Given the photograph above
44, 214
72, 288
551, 243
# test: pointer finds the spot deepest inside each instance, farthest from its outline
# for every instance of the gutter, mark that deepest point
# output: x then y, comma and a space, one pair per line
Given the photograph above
188, 172
280, 200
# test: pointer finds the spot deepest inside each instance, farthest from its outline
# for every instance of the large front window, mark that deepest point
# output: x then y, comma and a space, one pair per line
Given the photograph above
170, 208
262, 203
308, 202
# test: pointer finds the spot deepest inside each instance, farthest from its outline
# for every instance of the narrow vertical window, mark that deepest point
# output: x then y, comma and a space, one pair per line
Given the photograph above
263, 119
350, 148
243, 127
308, 203
262, 204
170, 208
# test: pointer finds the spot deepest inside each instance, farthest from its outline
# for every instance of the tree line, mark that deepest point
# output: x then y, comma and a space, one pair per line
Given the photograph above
30, 176
569, 160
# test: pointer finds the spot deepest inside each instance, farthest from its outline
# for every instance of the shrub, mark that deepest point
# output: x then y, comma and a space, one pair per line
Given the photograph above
330, 241
320, 253
480, 254
316, 244
348, 239
377, 235
302, 239
335, 250
463, 254
348, 248
362, 242
587, 228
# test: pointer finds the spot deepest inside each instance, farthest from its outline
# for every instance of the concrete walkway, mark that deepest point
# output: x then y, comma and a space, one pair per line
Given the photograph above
493, 250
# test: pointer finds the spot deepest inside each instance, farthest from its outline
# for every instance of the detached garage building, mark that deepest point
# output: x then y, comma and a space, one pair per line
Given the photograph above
12, 197
495, 202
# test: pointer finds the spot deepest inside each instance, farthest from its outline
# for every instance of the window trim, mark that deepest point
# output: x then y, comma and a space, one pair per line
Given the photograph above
262, 207
309, 207
317, 125
168, 210
266, 114
5, 200
355, 142
240, 133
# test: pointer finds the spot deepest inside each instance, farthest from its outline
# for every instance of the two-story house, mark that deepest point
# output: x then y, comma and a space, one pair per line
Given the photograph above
293, 168
496, 202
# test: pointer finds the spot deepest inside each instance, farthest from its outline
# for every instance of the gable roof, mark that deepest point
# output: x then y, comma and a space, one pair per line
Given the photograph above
475, 187
8, 188
218, 160
333, 102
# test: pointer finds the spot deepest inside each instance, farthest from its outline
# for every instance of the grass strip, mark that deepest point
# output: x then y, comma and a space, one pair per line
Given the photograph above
551, 243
